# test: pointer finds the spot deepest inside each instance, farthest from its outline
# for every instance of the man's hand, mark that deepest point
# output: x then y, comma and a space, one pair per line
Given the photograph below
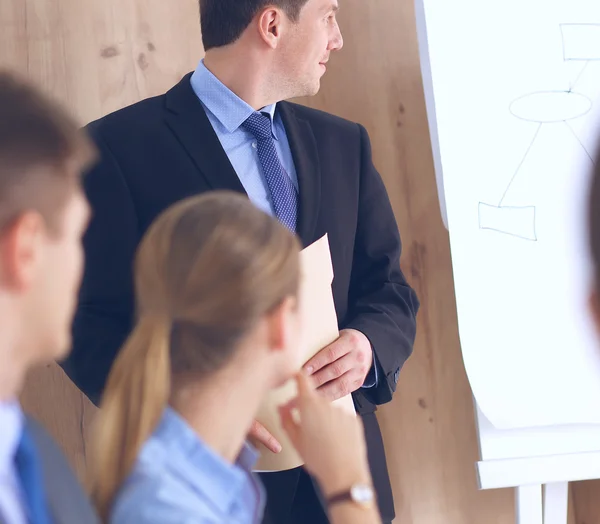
258, 433
342, 367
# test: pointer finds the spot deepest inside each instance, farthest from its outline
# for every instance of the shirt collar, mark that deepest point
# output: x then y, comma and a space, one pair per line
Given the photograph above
228, 108
11, 422
210, 474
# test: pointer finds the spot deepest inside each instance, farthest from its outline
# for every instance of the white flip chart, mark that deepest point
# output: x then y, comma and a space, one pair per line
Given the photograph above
514, 90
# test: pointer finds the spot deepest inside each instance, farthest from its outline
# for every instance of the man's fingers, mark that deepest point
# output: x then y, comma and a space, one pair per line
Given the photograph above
327, 355
261, 434
332, 371
338, 388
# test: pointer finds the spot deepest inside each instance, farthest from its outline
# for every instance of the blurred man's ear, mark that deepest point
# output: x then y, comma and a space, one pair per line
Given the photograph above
20, 251
280, 324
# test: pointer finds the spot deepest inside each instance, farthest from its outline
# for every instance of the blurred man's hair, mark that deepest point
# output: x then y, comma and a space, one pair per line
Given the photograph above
42, 153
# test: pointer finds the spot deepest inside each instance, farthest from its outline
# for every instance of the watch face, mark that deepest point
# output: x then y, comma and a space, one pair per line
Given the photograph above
362, 493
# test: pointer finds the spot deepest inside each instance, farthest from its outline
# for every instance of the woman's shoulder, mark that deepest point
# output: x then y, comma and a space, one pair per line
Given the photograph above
152, 496
155, 493
138, 501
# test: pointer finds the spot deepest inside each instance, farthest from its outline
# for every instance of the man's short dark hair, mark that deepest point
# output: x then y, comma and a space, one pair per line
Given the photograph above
224, 21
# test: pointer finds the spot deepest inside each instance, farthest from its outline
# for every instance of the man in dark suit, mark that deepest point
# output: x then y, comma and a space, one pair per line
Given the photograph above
43, 214
225, 127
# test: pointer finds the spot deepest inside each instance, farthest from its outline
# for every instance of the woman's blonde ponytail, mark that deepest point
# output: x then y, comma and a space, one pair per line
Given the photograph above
135, 396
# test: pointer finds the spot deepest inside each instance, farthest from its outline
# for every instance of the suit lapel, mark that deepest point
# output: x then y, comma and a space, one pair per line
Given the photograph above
188, 121
306, 160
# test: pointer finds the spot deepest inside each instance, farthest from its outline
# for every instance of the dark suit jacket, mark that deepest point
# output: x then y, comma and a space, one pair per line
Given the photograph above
164, 149
67, 502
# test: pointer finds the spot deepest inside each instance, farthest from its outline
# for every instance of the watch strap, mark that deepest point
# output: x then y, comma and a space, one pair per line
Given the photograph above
360, 494
345, 496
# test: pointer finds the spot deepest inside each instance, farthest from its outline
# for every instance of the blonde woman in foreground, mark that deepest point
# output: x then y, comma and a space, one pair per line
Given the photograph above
218, 327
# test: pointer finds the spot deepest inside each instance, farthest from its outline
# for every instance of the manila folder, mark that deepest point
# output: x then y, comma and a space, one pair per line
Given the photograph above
320, 328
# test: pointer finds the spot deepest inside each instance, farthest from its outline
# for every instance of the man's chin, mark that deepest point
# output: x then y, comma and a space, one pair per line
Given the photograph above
313, 89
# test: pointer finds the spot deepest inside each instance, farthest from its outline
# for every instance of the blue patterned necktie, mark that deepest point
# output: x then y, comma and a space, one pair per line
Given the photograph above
29, 473
283, 192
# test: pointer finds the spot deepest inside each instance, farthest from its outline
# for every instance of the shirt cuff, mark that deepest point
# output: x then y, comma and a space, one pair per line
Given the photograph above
372, 379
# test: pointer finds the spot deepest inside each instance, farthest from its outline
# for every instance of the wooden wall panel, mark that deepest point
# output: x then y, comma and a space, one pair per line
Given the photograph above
100, 55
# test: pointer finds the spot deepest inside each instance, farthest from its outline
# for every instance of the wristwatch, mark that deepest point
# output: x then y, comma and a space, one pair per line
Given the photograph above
360, 494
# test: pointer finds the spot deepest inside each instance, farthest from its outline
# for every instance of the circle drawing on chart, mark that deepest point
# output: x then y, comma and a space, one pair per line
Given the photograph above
547, 107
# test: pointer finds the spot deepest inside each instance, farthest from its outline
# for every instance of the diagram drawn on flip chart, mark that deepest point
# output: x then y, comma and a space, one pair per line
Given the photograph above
513, 98
581, 43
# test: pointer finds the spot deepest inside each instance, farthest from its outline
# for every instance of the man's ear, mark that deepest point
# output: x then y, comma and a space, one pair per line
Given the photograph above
279, 324
20, 251
270, 23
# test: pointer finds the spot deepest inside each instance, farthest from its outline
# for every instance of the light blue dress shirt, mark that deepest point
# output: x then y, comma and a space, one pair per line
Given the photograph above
12, 509
226, 113
177, 479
